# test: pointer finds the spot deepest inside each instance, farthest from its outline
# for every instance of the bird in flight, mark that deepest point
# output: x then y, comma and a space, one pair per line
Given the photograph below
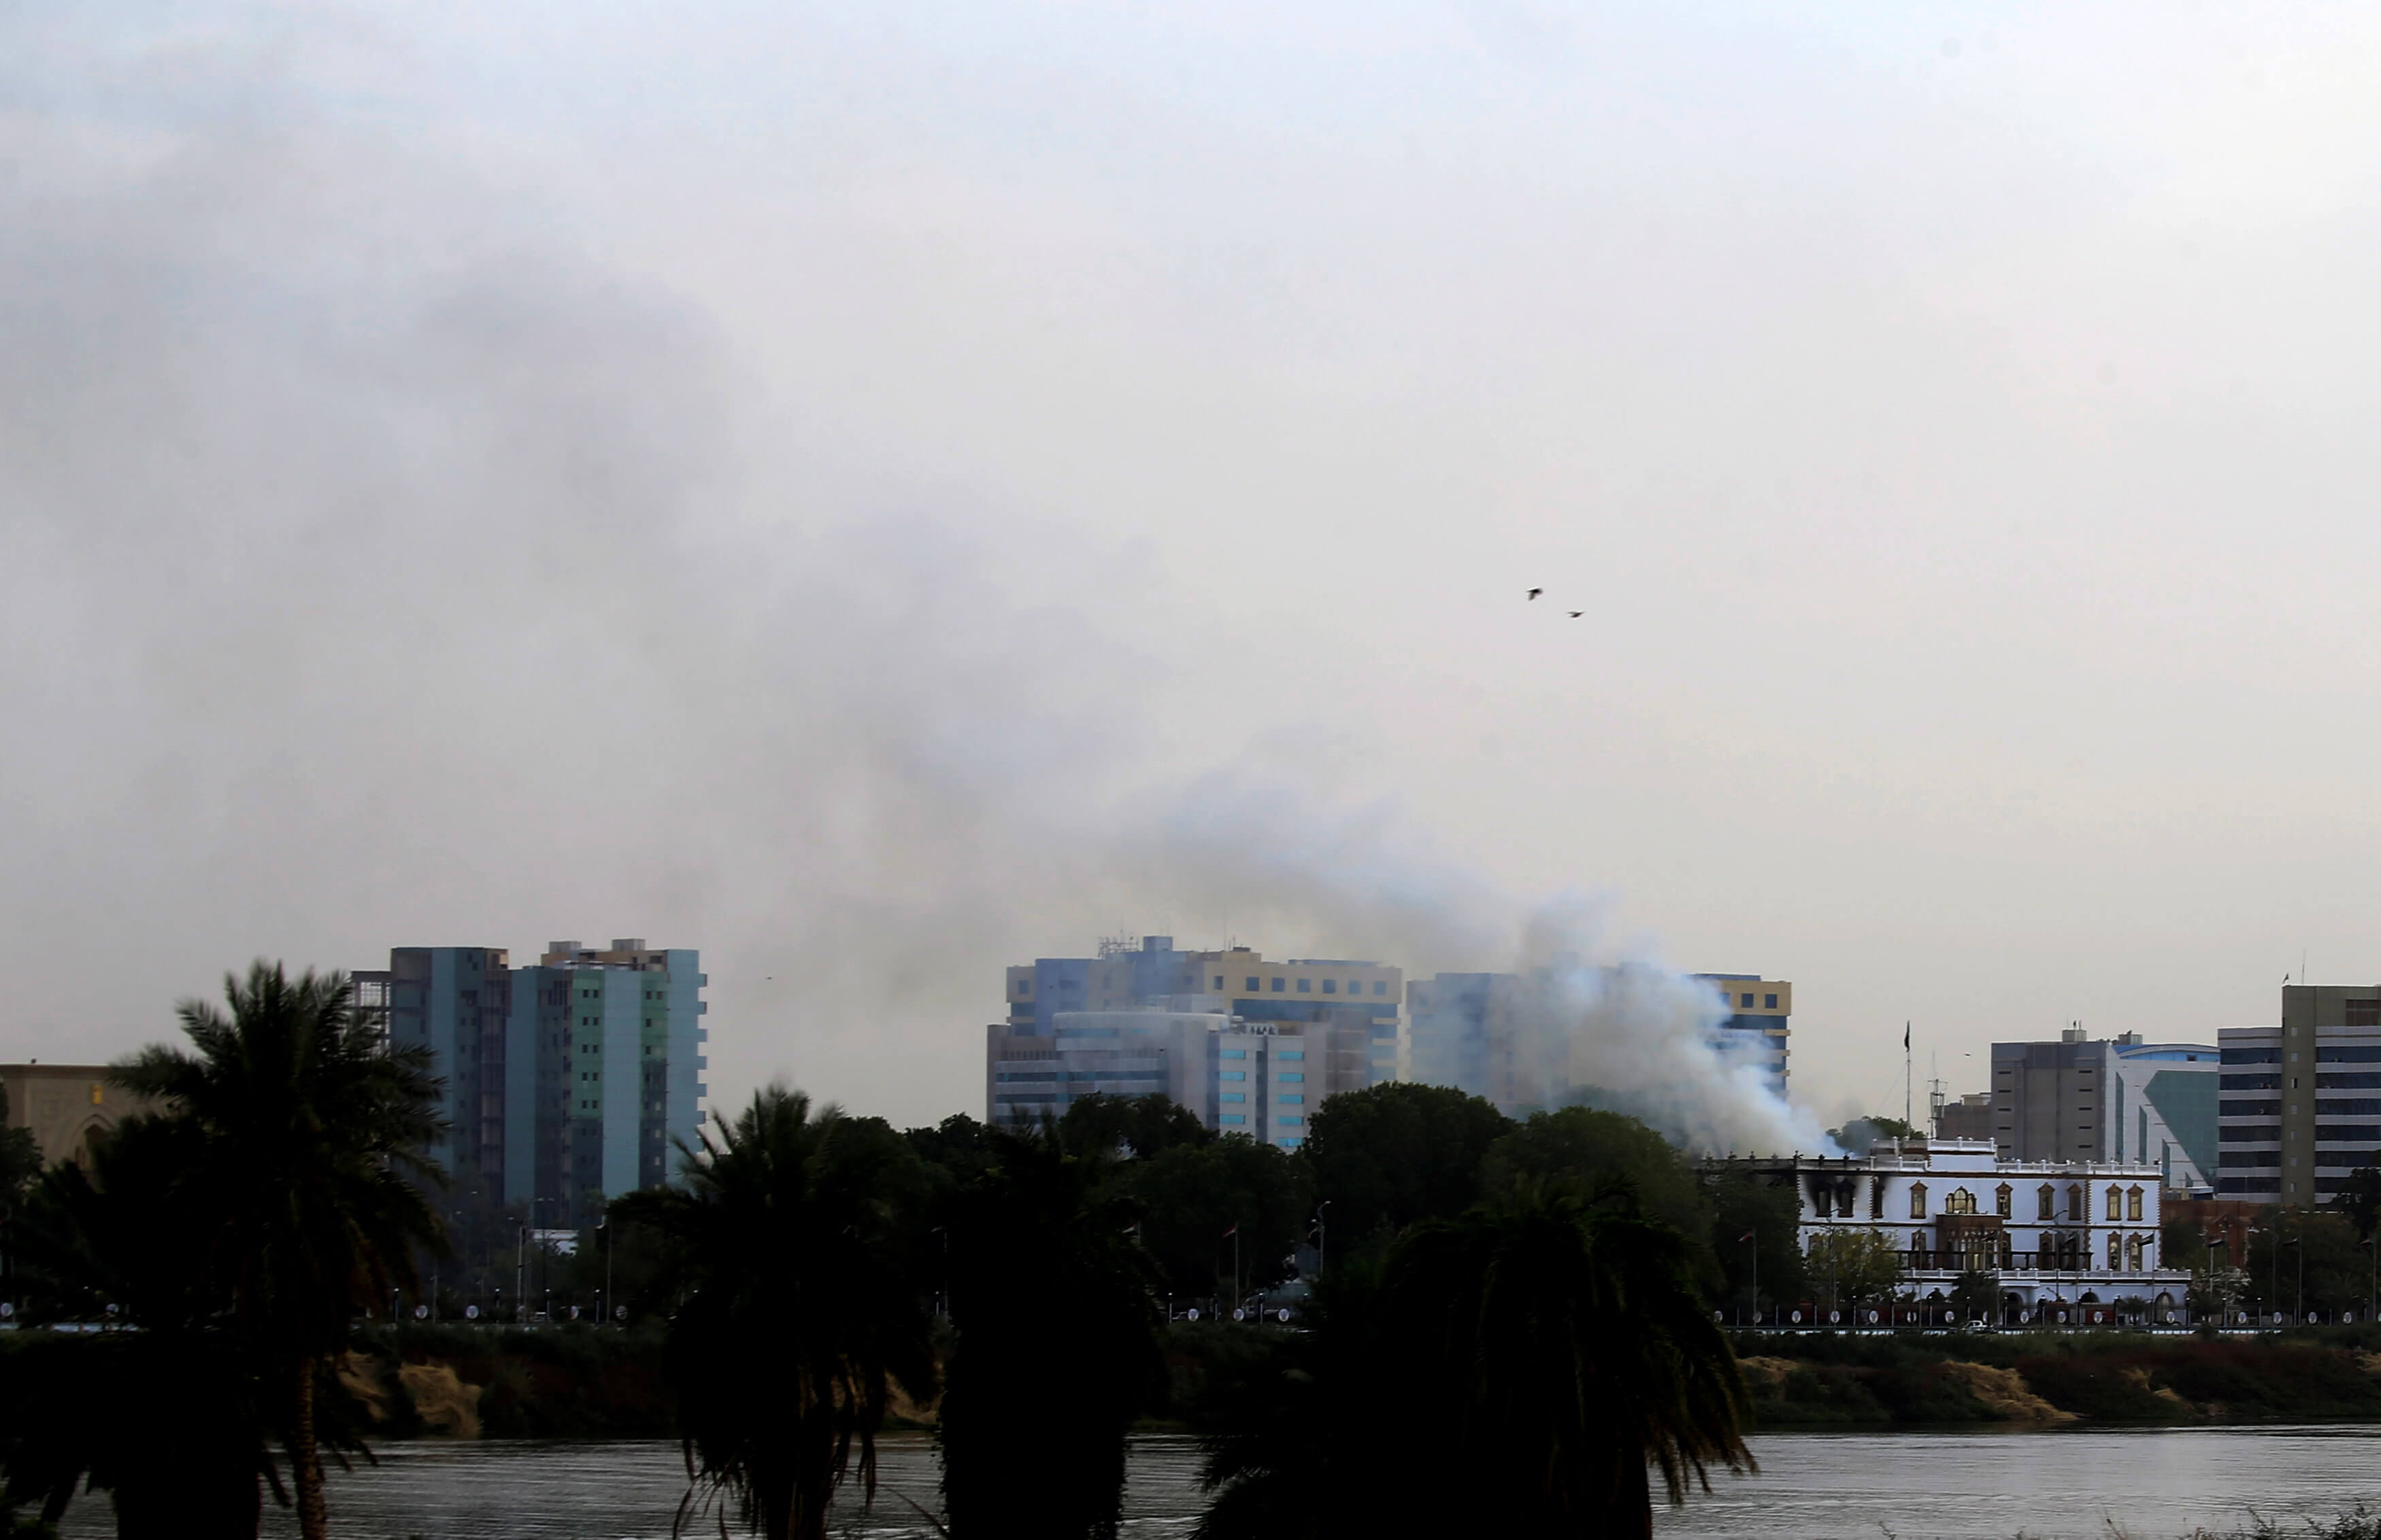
1577, 613
1535, 592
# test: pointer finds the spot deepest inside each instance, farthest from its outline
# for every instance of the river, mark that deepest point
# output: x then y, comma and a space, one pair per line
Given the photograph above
2146, 1484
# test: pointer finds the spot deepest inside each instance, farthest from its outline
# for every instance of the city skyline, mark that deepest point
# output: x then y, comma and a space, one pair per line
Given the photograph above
920, 485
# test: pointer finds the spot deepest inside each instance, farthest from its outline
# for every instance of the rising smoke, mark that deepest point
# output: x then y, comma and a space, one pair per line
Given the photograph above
389, 567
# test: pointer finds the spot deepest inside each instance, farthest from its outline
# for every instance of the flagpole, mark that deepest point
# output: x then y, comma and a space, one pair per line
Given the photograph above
1905, 1080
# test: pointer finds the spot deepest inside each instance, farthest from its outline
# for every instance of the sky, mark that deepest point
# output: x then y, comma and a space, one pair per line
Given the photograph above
879, 492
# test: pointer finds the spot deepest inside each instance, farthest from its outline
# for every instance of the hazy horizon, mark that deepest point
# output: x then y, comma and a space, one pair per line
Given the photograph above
884, 492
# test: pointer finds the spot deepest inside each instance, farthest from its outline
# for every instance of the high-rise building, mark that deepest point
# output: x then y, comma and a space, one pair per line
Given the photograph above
1261, 1079
1761, 1010
2301, 1104
1357, 1001
1493, 1035
2118, 1099
563, 1084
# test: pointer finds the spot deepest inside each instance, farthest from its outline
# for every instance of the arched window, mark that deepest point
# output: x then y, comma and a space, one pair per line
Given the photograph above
1917, 1199
2009, 1253
2115, 1251
2115, 1203
1844, 1201
2045, 1202
2132, 1203
1917, 1247
2133, 1254
1961, 1200
2075, 1202
2002, 1201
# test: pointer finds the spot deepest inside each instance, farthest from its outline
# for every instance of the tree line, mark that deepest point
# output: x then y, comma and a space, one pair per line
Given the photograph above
1498, 1321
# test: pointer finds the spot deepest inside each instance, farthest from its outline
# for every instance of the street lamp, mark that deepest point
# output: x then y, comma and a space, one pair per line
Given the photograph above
2297, 1306
2372, 1300
1322, 1236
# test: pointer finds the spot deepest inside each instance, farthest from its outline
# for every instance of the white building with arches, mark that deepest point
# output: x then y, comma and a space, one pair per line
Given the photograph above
2056, 1234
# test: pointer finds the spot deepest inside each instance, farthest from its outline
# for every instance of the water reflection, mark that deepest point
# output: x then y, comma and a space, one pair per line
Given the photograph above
1812, 1487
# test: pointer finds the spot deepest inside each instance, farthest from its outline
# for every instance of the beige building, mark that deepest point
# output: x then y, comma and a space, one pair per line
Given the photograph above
66, 1106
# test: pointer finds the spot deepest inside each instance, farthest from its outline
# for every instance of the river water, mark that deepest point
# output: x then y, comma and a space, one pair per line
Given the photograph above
2147, 1484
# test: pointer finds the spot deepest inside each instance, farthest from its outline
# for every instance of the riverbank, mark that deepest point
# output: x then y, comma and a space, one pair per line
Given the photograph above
2317, 1375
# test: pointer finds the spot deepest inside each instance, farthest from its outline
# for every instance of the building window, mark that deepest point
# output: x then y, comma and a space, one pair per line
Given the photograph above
2004, 1205
1306, 987
1276, 985
1233, 1096
1844, 1201
2115, 1203
1961, 1200
2075, 1204
1917, 1199
1744, 1002
2132, 1203
1769, 1002
1380, 986
2115, 1251
2133, 1254
1299, 1100
1331, 987
1253, 986
1291, 1077
1231, 1074
1219, 983
1287, 1122
1232, 1118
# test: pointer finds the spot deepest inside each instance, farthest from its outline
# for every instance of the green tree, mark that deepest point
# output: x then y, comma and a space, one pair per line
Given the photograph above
1056, 1342
1515, 1371
1976, 1294
1859, 1134
20, 1166
310, 1137
164, 1417
782, 1250
1745, 1203
1390, 1155
1855, 1265
1141, 1126
1190, 1196
2360, 1196
1583, 1146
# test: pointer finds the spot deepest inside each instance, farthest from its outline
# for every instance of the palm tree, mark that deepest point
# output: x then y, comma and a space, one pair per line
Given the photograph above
1563, 1334
793, 1319
1058, 1341
1514, 1370
312, 1136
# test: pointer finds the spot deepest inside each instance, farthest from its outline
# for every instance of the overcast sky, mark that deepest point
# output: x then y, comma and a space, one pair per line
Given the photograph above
881, 491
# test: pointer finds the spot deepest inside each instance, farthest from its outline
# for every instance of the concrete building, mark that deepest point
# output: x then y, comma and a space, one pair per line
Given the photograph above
1491, 1033
1969, 1118
2059, 1234
2301, 1104
1762, 1007
1339, 994
2117, 1099
66, 1106
565, 1083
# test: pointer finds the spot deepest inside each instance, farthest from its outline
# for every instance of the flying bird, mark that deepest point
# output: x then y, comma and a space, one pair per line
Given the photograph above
1577, 613
1535, 592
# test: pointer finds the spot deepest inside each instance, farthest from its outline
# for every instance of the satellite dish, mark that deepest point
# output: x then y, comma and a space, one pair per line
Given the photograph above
422, 1313
470, 1313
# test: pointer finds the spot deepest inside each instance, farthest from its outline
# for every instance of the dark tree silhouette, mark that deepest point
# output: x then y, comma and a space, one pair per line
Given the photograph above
310, 1132
794, 1317
1058, 1344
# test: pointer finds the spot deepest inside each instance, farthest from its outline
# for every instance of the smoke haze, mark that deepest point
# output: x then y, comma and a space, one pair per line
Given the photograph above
878, 493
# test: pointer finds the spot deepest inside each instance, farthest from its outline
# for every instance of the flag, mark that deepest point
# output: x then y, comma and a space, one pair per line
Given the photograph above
1745, 1237
1905, 1037
1230, 1233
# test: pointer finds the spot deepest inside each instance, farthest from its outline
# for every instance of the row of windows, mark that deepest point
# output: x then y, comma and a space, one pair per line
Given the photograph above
2127, 1252
2248, 1083
1028, 1076
2347, 1056
1305, 987
2347, 1134
1768, 1002
2255, 1134
2124, 1203
2251, 1055
2348, 1082
2250, 1158
2248, 1109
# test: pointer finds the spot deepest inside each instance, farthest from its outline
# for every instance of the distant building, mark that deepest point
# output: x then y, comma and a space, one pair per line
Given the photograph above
66, 1105
1486, 1032
565, 1083
2119, 1099
1762, 1007
1969, 1118
2061, 1235
1343, 995
2301, 1103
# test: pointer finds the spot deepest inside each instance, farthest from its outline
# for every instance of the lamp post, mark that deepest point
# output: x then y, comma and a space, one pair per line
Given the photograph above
2298, 1305
1322, 1236
2372, 1300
